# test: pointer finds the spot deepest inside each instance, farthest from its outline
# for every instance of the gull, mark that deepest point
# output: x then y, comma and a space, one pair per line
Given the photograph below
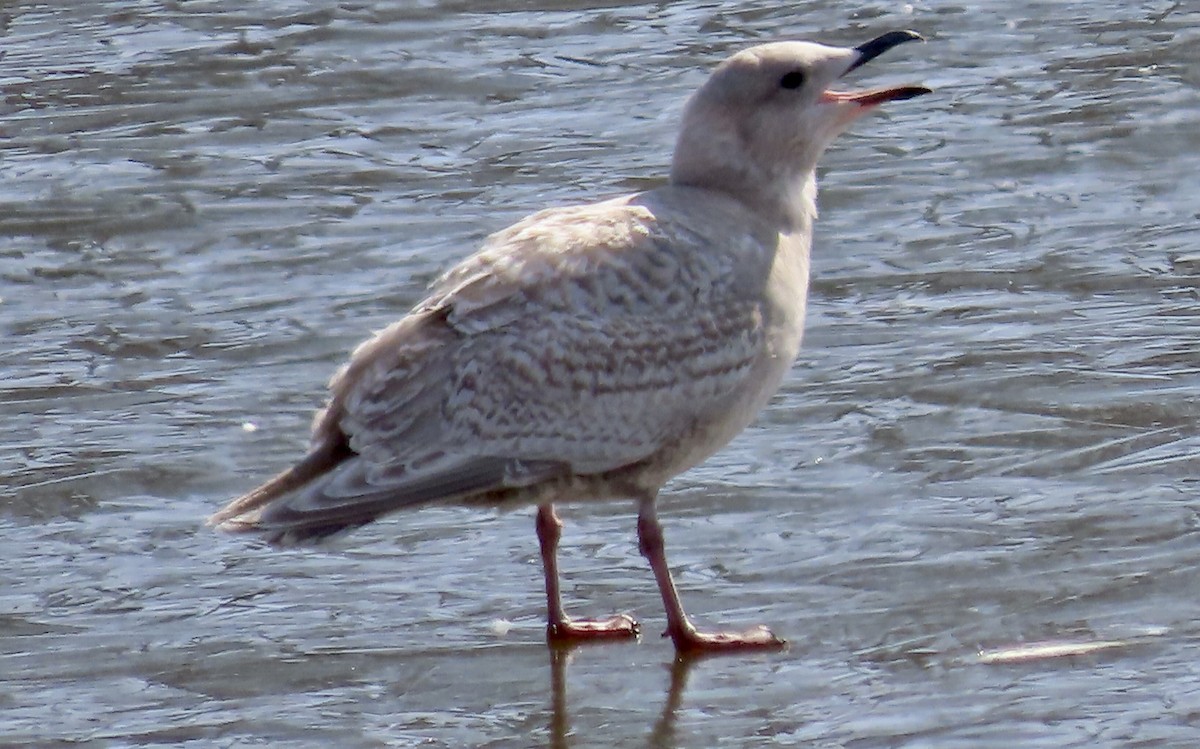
594, 352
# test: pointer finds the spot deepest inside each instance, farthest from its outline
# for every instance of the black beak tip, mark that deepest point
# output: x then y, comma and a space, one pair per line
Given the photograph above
870, 50
901, 36
911, 92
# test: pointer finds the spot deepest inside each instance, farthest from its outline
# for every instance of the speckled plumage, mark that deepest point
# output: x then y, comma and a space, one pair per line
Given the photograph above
578, 342
595, 351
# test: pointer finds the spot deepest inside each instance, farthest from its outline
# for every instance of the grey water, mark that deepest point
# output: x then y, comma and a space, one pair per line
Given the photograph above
991, 439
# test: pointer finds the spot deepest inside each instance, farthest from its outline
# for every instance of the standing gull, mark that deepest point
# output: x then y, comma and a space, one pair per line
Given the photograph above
594, 352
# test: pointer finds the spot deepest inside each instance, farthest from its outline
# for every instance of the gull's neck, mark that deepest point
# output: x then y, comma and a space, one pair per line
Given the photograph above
780, 193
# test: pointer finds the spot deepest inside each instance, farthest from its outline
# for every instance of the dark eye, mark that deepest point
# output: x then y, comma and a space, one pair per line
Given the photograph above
792, 79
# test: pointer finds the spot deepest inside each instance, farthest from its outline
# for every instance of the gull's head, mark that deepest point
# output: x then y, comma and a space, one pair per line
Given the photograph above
757, 126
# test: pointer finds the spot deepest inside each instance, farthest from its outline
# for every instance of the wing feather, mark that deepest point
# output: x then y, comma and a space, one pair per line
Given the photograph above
355, 493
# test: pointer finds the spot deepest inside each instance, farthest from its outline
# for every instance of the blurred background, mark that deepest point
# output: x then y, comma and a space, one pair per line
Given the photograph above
991, 437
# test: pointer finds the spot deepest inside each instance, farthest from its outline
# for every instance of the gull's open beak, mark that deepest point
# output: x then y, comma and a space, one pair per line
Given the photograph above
869, 51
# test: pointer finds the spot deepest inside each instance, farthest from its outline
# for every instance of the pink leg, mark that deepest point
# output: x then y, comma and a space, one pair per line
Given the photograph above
560, 627
680, 629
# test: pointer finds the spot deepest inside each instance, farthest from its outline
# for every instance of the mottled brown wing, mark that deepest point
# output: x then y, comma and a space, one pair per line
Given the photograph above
576, 342
587, 336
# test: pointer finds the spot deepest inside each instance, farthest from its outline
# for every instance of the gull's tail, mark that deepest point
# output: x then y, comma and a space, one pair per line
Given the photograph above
243, 513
